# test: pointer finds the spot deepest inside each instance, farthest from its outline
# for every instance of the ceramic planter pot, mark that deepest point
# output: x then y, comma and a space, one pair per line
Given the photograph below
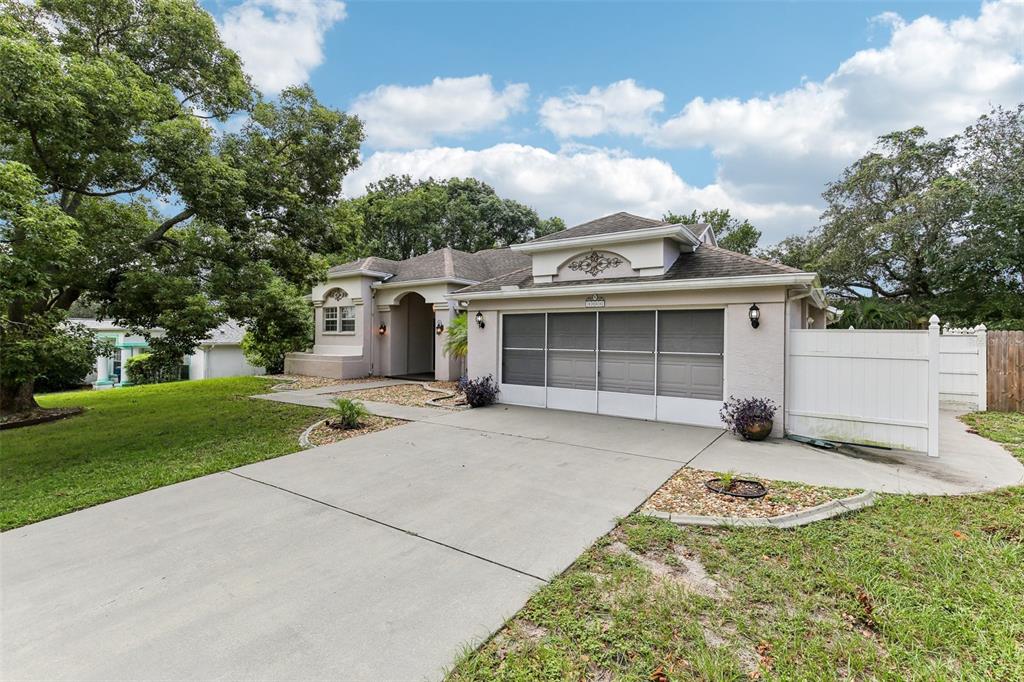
758, 430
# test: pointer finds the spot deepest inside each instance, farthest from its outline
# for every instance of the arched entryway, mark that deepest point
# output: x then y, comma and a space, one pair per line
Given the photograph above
413, 337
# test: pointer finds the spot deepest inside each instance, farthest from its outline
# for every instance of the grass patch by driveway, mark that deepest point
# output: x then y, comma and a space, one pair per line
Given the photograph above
1003, 427
912, 588
134, 439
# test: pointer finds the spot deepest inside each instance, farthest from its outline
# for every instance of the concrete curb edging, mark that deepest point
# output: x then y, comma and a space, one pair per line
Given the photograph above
304, 436
803, 517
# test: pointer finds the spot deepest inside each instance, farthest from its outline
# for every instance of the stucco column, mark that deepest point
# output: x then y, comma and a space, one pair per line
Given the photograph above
382, 358
125, 354
102, 370
445, 368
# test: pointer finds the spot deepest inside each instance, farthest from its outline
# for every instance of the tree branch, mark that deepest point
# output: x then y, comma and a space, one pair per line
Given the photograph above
166, 225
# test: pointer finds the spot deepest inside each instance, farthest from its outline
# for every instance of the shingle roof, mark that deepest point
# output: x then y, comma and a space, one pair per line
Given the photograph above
372, 263
706, 262
610, 224
443, 263
230, 333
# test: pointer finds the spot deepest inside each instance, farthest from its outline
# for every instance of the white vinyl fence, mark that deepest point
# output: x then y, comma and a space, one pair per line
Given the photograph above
962, 367
882, 387
874, 387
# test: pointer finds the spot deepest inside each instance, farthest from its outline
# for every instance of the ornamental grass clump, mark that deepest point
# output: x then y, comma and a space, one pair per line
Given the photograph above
348, 414
479, 392
750, 418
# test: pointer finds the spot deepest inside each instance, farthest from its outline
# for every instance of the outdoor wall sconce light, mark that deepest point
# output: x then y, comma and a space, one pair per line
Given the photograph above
382, 329
439, 329
480, 320
755, 316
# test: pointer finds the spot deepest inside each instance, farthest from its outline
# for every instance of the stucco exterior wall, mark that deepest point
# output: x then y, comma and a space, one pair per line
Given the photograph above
483, 356
755, 359
650, 256
358, 294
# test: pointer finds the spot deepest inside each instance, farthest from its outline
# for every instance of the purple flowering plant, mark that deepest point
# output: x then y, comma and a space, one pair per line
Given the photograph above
739, 414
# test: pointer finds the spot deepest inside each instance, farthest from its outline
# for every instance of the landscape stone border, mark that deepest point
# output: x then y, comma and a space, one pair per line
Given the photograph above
444, 396
304, 436
803, 517
42, 419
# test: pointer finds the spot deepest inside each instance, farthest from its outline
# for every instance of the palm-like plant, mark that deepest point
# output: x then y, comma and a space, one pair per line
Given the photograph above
348, 413
457, 343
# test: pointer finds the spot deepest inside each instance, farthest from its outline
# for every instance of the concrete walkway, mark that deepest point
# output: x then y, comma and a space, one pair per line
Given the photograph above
324, 395
967, 463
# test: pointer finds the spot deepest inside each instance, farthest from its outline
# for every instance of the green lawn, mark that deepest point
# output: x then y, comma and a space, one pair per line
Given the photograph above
913, 588
134, 439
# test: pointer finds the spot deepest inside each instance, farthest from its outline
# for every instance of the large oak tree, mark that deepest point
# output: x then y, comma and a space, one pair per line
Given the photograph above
920, 226
124, 186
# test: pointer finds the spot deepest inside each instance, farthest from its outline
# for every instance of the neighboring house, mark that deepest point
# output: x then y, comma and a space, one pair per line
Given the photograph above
622, 315
219, 355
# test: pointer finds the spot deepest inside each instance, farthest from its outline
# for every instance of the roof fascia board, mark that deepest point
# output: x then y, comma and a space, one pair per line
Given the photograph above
781, 279
677, 232
417, 282
353, 273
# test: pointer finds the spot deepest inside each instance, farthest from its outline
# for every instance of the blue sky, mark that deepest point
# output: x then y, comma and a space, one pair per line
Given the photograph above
584, 108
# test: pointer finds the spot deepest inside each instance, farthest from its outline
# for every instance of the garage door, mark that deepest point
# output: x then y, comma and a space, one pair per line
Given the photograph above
665, 365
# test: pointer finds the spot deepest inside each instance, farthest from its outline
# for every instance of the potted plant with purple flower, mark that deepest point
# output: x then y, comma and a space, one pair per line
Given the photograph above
750, 418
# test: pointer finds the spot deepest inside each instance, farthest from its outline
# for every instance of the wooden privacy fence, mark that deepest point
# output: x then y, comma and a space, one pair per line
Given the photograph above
1006, 371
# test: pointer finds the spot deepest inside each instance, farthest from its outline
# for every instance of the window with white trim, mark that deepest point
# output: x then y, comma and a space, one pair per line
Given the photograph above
348, 318
340, 319
330, 319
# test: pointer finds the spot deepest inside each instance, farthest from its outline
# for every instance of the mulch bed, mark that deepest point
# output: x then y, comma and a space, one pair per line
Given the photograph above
409, 395
40, 416
324, 434
685, 493
294, 382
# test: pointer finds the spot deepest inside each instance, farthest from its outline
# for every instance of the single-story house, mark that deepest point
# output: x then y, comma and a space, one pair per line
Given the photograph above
218, 355
622, 315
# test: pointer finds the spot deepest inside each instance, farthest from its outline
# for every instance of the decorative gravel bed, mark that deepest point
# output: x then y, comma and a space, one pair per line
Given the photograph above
685, 493
294, 382
323, 434
410, 395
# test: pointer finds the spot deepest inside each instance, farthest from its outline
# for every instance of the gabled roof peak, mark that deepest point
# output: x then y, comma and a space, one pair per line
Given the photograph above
609, 224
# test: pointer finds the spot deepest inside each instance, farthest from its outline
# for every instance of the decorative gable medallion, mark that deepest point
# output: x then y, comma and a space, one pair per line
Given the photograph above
595, 262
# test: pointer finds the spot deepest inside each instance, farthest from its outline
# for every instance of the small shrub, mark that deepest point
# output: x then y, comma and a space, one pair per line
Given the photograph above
479, 392
739, 414
349, 413
727, 479
153, 368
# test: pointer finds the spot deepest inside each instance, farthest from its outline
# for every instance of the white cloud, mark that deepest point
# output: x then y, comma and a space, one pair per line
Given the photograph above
397, 116
577, 183
280, 41
623, 107
940, 75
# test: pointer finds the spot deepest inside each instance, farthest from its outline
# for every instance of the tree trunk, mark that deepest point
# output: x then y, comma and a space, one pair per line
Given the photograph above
16, 397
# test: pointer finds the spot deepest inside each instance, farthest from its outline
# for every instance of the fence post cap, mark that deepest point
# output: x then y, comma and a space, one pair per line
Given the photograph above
933, 321
981, 327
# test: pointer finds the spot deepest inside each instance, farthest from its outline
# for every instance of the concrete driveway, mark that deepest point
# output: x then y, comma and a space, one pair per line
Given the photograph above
381, 557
